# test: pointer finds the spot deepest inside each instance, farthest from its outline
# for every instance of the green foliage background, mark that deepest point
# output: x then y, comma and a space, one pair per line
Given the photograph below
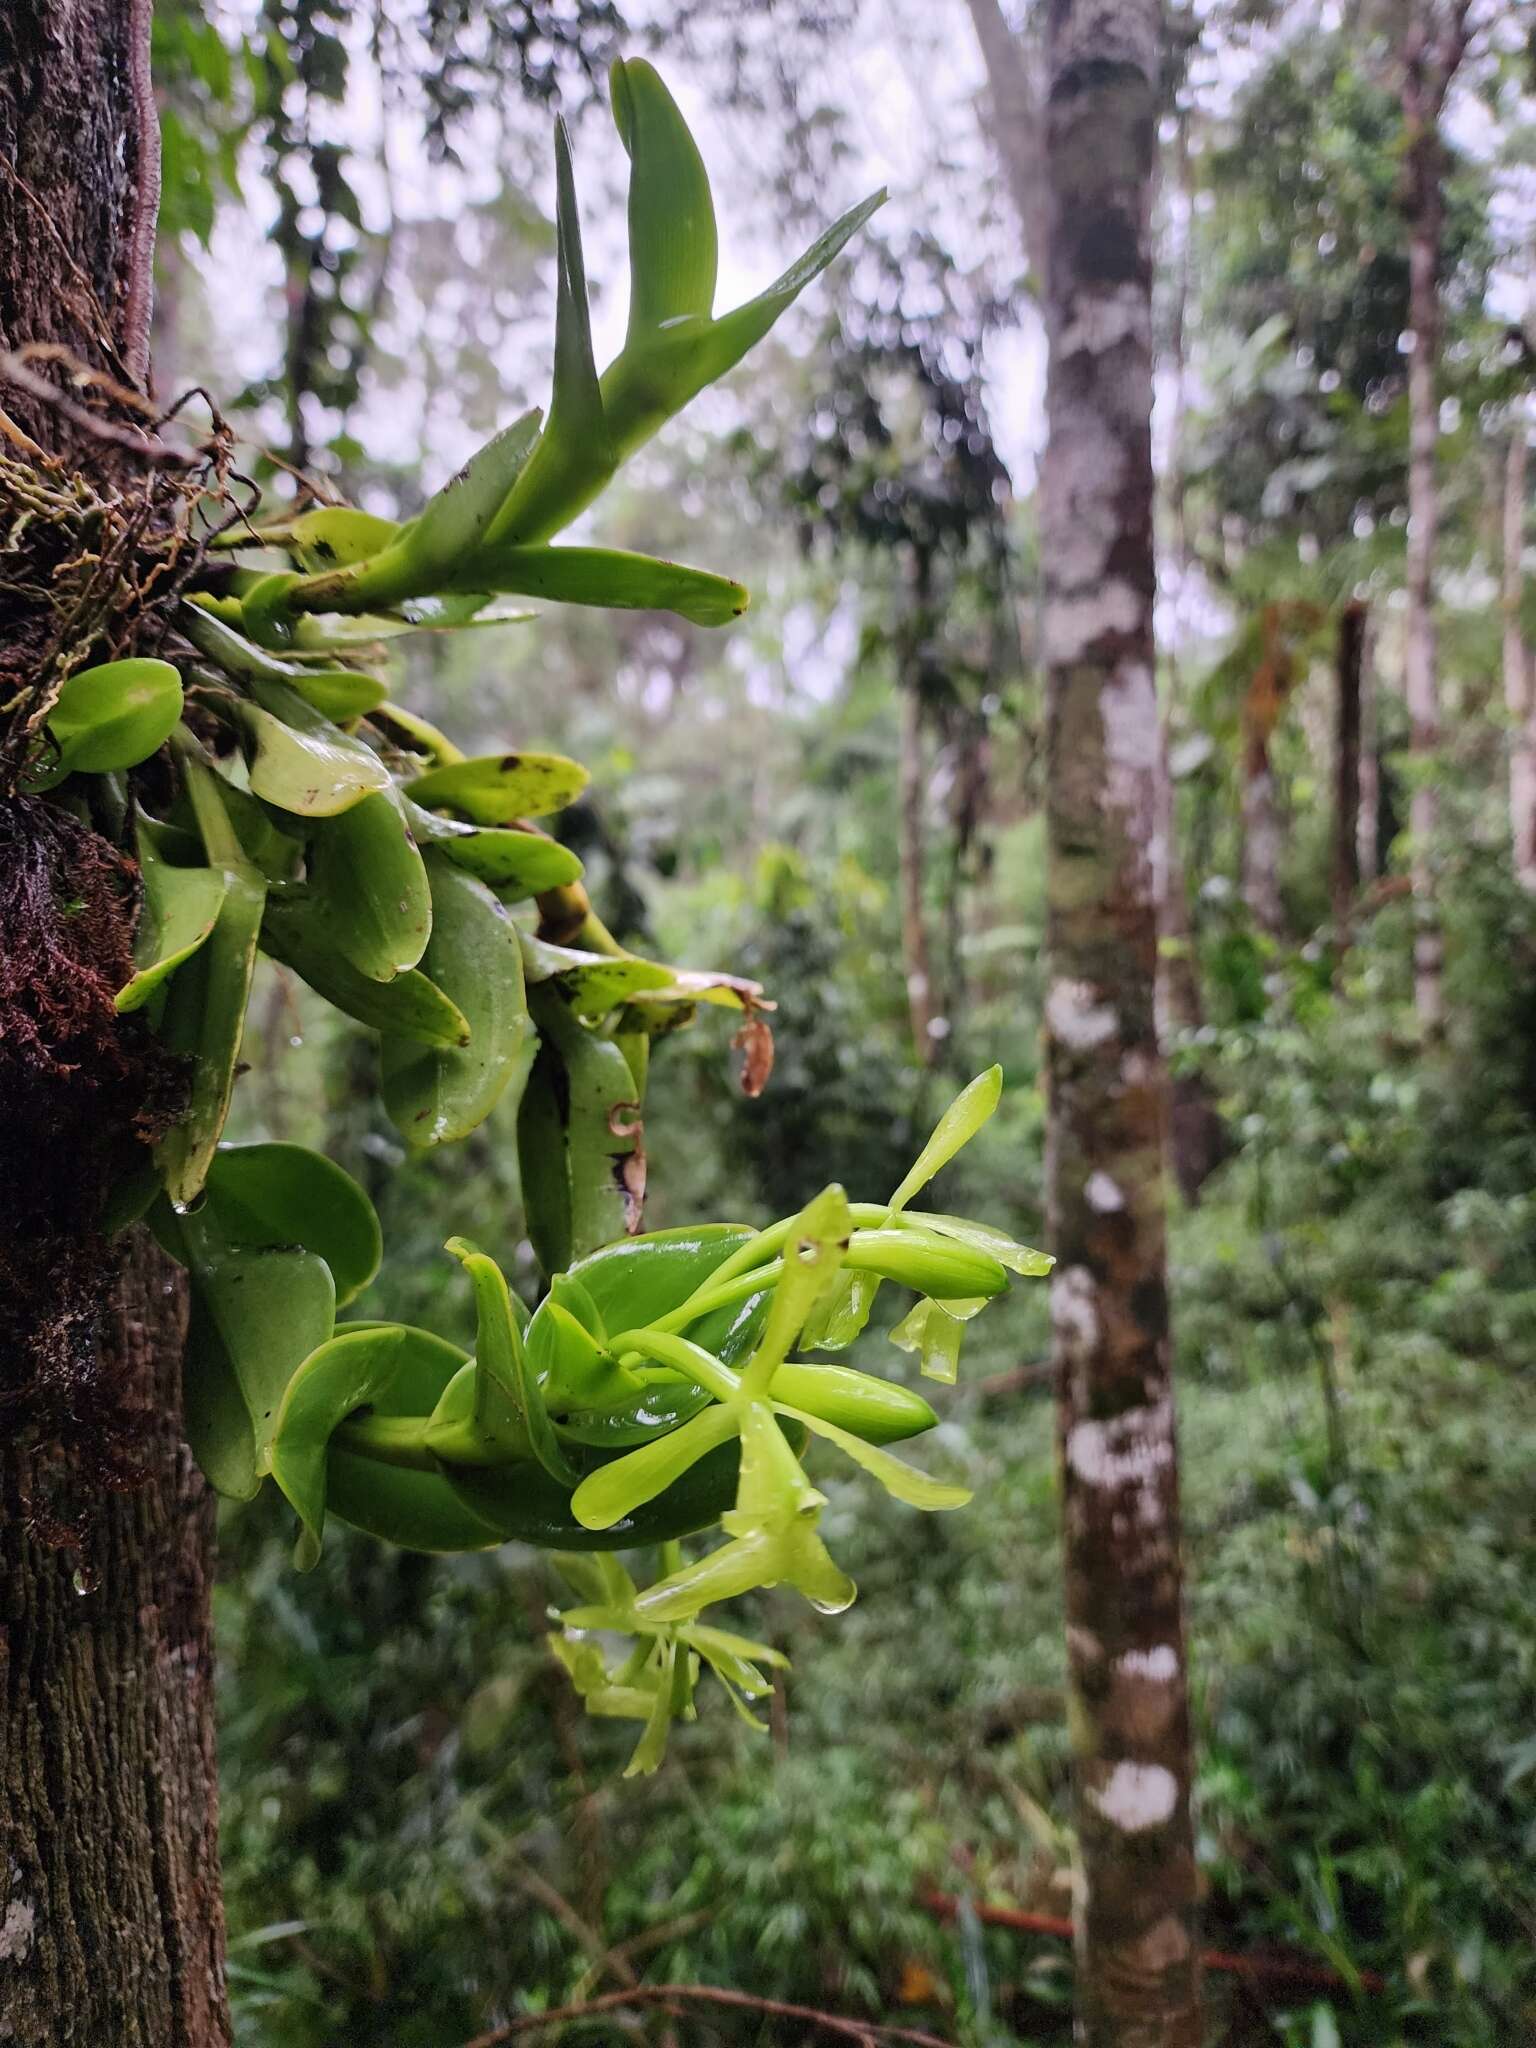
421, 1835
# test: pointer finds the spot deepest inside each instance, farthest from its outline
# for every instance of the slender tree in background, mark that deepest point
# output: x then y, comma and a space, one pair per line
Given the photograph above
1138, 1977
1349, 661
1270, 684
913, 778
1519, 697
1434, 43
111, 1926
1015, 93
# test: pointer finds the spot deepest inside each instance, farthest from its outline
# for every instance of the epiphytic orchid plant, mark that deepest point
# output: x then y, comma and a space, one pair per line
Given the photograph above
277, 801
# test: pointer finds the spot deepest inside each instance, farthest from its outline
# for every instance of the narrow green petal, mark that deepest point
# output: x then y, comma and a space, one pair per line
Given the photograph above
902, 1482
956, 1127
614, 1491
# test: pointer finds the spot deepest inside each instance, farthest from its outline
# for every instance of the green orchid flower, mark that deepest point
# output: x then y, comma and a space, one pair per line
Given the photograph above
654, 1681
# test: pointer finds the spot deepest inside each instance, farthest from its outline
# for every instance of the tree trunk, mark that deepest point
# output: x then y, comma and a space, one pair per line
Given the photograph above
111, 1926
111, 1929
1138, 1969
1519, 698
1436, 40
914, 784
1369, 834
1349, 668
1015, 95
1262, 837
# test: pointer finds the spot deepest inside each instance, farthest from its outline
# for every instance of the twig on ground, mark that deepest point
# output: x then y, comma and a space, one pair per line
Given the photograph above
869, 2033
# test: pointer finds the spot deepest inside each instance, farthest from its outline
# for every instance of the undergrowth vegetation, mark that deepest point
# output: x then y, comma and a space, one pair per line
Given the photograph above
418, 1828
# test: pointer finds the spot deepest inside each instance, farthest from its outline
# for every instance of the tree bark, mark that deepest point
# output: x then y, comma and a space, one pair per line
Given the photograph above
1138, 1965
1349, 668
1433, 48
111, 1925
1519, 698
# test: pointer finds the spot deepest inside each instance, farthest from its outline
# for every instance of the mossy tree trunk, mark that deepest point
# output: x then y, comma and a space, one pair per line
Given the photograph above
111, 1927
1138, 1971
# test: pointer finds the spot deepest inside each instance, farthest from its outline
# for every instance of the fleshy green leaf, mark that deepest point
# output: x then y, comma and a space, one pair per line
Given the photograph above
411, 1007
299, 760
612, 578
339, 693
595, 982
436, 1094
498, 789
368, 886
353, 1368
512, 863
256, 1316
275, 1194
204, 1022
181, 906
501, 1366
112, 716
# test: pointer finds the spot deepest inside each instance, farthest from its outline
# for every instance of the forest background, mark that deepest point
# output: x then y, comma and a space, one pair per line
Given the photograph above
843, 797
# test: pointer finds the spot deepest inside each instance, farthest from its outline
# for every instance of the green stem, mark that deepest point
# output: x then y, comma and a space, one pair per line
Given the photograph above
388, 1440
691, 1360
220, 841
417, 1444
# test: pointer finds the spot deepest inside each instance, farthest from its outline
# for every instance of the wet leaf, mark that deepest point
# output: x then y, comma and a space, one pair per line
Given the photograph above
181, 906
368, 886
299, 760
256, 1316
354, 1367
204, 1022
436, 1094
594, 982
112, 716
411, 1007
275, 1194
498, 789
512, 863
611, 578
340, 693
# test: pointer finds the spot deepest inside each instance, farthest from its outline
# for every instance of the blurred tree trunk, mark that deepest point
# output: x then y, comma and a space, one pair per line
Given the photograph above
1198, 1140
1519, 697
111, 1923
1138, 1966
913, 778
1434, 42
1262, 834
1348, 672
1016, 95
1368, 834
